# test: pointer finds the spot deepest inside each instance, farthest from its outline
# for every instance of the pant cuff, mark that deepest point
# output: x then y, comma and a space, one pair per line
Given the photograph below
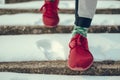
84, 22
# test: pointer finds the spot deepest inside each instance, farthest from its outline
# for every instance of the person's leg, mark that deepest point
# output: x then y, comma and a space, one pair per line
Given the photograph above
84, 12
80, 57
50, 13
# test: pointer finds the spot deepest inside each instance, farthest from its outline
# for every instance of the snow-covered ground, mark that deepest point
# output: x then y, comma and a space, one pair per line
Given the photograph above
65, 19
18, 76
63, 4
55, 47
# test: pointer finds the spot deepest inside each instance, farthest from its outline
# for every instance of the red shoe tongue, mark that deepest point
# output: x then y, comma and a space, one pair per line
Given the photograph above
75, 42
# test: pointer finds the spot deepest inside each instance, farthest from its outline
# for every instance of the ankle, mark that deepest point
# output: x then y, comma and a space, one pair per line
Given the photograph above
80, 30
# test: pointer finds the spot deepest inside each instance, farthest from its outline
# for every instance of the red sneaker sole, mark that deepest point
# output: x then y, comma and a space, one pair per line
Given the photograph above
47, 26
80, 69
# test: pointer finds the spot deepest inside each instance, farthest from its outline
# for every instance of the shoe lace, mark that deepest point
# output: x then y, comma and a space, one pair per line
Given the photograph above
74, 42
49, 8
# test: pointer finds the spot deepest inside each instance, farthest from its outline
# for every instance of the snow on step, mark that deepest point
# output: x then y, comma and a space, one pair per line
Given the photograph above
63, 4
55, 47
18, 76
65, 19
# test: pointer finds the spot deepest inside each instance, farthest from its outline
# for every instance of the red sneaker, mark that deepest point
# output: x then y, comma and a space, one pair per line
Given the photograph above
50, 13
80, 58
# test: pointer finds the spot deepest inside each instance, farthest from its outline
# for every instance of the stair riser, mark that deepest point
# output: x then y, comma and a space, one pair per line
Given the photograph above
108, 68
64, 11
13, 30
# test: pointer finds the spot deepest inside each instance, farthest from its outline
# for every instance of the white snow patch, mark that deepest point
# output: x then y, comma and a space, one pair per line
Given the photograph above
55, 47
65, 19
18, 76
63, 4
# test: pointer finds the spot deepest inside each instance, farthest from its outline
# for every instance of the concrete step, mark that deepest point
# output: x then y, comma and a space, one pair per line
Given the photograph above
64, 11
13, 30
106, 68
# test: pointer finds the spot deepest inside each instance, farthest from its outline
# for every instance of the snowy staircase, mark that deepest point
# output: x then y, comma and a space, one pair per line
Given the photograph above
57, 67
